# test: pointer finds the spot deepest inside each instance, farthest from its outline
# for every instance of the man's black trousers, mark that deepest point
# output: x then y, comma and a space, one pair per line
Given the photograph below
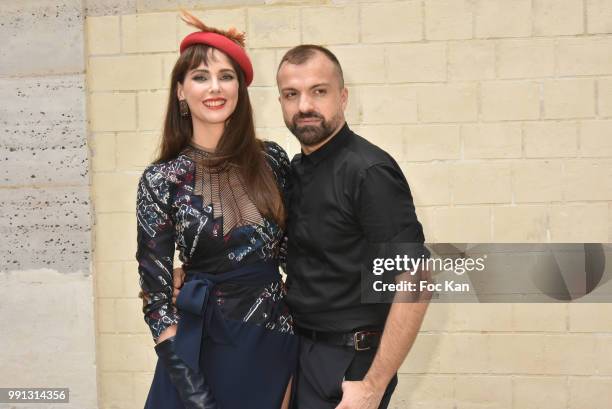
321, 370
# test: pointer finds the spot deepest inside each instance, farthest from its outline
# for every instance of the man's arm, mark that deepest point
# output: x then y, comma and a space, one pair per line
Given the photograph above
401, 328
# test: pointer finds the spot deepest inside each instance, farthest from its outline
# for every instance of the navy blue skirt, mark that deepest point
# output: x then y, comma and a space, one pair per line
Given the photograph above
252, 372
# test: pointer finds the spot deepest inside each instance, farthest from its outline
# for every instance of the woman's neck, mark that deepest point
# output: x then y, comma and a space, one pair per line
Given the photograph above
207, 136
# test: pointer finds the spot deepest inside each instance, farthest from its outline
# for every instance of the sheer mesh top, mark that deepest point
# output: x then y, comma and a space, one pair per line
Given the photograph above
222, 186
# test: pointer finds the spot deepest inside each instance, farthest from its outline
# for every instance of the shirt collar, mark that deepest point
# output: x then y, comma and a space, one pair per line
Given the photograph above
336, 142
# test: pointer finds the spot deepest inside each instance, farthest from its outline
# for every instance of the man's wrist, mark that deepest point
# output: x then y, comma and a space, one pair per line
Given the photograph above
377, 382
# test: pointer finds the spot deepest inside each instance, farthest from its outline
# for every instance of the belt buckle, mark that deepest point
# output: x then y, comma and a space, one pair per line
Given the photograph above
360, 336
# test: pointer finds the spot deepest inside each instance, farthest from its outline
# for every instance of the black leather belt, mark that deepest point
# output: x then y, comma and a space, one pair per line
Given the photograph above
360, 340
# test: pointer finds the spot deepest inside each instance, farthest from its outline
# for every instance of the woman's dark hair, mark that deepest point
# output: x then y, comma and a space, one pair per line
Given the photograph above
238, 145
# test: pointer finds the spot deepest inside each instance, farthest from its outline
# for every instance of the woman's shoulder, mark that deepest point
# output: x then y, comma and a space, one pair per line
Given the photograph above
279, 163
161, 178
276, 155
171, 170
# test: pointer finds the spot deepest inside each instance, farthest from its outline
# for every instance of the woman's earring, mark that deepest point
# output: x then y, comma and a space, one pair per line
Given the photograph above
184, 108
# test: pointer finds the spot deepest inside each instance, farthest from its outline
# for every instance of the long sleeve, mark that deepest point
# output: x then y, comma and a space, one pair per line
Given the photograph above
281, 168
155, 251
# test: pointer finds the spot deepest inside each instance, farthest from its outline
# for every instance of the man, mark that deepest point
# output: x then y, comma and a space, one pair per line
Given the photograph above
347, 194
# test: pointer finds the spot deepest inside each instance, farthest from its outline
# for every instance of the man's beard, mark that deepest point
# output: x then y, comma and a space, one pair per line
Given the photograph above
310, 135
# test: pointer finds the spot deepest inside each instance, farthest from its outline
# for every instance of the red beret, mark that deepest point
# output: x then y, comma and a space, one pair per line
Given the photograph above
224, 44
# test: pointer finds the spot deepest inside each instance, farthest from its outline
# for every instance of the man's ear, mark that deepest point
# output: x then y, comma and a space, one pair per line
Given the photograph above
344, 98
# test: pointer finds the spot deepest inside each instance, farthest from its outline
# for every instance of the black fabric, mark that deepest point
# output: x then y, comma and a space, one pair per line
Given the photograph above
323, 367
345, 196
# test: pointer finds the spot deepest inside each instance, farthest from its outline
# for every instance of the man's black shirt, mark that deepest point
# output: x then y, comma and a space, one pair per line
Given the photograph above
345, 195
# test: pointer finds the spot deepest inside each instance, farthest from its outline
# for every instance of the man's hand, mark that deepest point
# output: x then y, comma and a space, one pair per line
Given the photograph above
360, 395
401, 328
145, 299
178, 278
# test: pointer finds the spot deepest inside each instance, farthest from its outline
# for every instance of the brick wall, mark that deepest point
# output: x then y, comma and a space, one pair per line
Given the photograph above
498, 111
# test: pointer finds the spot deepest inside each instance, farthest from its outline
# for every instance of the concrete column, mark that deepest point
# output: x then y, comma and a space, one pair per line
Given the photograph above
46, 284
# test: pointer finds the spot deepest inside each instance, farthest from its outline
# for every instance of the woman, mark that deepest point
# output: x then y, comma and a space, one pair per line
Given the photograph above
216, 192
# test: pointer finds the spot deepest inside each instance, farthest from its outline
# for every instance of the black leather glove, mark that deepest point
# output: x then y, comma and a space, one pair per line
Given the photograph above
192, 388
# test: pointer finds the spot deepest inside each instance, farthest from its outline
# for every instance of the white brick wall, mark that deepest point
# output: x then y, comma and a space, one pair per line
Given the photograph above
498, 112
